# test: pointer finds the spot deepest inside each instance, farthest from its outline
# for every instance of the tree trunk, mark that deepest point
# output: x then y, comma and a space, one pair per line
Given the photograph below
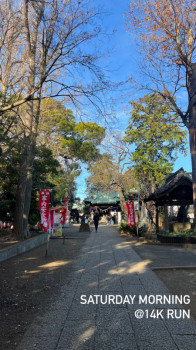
157, 219
122, 202
21, 190
192, 130
151, 209
29, 178
30, 121
19, 214
192, 138
166, 219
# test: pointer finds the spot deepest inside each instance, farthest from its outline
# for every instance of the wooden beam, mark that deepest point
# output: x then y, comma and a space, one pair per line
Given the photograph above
166, 220
157, 220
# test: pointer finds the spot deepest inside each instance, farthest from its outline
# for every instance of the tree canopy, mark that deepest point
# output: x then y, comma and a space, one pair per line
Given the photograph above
62, 144
157, 137
67, 138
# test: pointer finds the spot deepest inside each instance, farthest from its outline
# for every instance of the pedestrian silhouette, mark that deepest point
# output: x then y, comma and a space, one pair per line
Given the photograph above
96, 220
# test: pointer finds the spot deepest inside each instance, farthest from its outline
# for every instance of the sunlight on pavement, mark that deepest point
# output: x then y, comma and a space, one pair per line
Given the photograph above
50, 266
123, 245
54, 264
80, 271
33, 271
127, 244
87, 334
125, 268
136, 243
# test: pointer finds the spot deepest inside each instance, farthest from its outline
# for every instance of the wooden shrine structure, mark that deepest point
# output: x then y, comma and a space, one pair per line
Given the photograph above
104, 201
176, 190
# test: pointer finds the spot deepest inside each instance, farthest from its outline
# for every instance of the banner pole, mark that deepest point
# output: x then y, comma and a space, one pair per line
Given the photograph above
47, 244
48, 238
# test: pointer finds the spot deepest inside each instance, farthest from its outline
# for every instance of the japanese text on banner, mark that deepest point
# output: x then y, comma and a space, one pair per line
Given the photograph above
131, 213
44, 203
64, 212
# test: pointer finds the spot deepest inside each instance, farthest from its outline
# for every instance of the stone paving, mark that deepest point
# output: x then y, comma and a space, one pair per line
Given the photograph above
109, 267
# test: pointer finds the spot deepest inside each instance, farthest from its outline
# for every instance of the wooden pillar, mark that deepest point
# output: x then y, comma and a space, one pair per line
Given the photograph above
166, 220
157, 219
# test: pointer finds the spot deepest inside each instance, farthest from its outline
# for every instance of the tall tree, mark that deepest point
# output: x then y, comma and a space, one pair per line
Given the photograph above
157, 138
166, 35
50, 42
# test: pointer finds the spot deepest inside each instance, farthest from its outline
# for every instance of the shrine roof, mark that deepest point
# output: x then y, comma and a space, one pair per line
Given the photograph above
173, 188
103, 198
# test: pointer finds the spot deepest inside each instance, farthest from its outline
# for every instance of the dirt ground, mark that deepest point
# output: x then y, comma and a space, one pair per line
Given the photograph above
6, 238
168, 262
181, 282
30, 282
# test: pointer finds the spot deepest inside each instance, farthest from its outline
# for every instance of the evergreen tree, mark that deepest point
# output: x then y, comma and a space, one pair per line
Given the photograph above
154, 131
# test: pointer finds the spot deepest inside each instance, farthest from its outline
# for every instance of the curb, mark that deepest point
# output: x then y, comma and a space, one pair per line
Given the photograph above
173, 267
23, 247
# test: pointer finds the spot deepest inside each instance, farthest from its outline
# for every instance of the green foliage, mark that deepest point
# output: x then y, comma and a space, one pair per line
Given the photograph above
61, 144
132, 230
9, 165
45, 164
67, 138
6, 209
49, 174
90, 132
154, 130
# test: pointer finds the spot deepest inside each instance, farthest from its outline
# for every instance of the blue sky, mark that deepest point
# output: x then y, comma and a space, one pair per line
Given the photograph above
122, 63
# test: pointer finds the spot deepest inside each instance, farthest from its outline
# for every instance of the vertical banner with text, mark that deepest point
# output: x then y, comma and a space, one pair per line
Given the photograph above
44, 204
64, 212
131, 213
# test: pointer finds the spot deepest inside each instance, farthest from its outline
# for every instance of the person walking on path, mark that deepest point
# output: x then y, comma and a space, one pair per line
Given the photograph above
96, 220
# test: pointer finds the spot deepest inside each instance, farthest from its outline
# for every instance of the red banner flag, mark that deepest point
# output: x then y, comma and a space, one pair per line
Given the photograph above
63, 214
44, 204
131, 213
51, 219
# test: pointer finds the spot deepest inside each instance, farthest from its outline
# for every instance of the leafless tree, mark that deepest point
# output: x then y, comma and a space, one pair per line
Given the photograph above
50, 56
166, 34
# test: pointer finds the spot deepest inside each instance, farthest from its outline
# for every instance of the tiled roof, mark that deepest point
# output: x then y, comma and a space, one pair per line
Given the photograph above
101, 197
173, 180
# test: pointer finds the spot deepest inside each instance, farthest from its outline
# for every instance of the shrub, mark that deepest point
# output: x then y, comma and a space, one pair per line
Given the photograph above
132, 230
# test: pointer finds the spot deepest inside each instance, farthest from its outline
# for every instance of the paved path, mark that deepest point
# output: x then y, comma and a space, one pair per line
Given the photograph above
163, 256
109, 266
